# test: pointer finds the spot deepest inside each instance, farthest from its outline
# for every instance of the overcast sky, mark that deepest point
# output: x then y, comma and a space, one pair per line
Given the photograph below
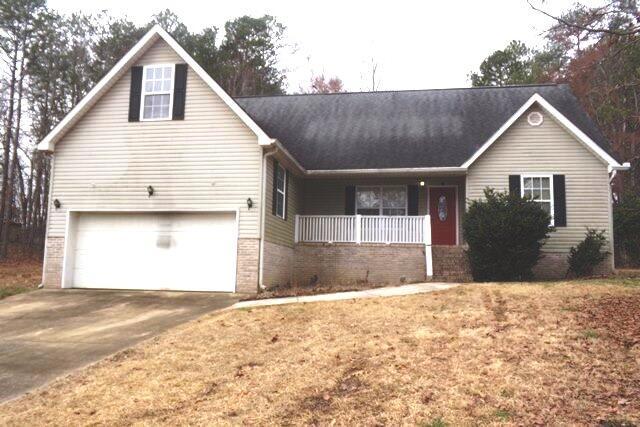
417, 45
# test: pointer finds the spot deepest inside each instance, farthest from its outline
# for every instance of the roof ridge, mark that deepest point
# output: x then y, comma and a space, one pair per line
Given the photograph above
400, 91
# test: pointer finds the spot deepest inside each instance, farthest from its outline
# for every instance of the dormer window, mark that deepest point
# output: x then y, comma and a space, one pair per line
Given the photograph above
157, 92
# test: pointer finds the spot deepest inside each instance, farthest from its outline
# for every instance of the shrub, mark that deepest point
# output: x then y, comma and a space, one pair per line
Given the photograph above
588, 254
626, 229
504, 233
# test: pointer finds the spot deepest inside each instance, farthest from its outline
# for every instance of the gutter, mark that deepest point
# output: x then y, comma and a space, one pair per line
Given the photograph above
391, 171
623, 167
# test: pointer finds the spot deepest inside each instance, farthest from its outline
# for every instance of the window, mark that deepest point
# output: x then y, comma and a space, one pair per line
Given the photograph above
381, 200
539, 188
281, 190
157, 92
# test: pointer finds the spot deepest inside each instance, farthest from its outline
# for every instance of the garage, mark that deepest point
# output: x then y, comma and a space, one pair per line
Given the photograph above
151, 251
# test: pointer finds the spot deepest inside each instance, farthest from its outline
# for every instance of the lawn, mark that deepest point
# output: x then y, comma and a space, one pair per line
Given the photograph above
19, 273
552, 353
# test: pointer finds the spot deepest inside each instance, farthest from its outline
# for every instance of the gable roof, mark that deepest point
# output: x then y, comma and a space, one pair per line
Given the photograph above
154, 34
410, 129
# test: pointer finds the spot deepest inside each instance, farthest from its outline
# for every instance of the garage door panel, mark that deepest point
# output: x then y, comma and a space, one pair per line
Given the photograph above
185, 251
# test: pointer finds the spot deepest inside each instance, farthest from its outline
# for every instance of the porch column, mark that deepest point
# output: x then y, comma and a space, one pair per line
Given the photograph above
427, 246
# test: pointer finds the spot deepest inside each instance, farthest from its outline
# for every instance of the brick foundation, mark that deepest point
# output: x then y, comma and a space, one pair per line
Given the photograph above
278, 265
553, 266
365, 263
53, 257
451, 264
248, 265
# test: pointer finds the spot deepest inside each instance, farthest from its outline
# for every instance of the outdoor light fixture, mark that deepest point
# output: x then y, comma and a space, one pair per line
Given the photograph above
150, 191
249, 203
56, 203
421, 183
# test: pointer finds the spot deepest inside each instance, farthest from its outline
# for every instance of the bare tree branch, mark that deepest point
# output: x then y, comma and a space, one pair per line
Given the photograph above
586, 28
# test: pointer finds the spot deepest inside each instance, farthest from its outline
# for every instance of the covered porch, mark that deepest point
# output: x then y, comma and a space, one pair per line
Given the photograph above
378, 229
382, 210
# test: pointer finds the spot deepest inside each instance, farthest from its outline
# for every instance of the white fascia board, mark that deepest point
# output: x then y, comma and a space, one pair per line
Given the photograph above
562, 120
263, 138
48, 143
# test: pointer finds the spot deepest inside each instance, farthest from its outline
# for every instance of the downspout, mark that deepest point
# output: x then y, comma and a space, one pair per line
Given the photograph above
263, 201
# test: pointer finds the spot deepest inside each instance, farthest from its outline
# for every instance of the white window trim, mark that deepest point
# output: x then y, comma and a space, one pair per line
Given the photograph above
283, 191
381, 208
143, 92
551, 190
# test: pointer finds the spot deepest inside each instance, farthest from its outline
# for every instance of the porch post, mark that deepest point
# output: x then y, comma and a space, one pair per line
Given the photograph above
358, 229
296, 232
427, 246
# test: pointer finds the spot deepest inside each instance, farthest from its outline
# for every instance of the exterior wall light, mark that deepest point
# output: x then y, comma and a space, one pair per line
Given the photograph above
150, 190
56, 203
421, 183
249, 203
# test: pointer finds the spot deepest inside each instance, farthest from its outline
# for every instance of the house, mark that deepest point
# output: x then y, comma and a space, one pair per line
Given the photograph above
160, 180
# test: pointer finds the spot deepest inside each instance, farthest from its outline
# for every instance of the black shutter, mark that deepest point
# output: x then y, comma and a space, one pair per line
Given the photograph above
135, 93
274, 204
559, 201
413, 195
179, 91
350, 200
514, 185
286, 193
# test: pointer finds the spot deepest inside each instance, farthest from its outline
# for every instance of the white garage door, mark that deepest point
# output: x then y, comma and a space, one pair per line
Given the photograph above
174, 251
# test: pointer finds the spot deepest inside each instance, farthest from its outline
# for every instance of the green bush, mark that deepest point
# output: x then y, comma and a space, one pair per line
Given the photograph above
504, 233
588, 254
626, 230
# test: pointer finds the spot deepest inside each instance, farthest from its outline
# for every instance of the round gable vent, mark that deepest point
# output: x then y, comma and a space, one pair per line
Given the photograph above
535, 118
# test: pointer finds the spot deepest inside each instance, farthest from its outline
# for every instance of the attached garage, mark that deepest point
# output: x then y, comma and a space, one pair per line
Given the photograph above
182, 251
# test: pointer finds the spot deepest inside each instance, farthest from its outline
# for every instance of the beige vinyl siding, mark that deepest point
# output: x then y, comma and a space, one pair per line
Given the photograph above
548, 148
208, 161
276, 229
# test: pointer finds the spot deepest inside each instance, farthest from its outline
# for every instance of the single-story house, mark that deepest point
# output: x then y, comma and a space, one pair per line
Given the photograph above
161, 180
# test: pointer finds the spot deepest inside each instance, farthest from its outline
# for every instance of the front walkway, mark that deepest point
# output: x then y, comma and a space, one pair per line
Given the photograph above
418, 288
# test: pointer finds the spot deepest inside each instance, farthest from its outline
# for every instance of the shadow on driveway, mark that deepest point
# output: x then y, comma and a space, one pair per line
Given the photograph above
45, 334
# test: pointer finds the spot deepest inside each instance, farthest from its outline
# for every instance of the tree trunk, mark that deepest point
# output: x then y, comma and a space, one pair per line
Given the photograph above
5, 199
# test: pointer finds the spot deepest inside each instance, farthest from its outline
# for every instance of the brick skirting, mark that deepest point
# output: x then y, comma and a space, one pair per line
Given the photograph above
553, 266
53, 257
358, 264
278, 265
248, 265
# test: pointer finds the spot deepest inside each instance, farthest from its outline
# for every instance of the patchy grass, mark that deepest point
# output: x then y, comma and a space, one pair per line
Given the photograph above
19, 273
475, 354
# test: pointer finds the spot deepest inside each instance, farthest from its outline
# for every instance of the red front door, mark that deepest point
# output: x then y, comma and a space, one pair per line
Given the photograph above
443, 208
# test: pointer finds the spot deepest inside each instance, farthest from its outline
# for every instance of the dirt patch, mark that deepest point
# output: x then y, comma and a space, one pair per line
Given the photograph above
521, 354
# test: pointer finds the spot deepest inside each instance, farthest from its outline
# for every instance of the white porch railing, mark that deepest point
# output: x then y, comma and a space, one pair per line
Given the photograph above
366, 229
362, 229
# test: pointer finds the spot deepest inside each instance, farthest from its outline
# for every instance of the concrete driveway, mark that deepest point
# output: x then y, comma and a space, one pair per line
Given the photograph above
48, 333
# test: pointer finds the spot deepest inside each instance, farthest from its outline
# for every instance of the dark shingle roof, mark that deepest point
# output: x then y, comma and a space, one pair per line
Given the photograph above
420, 128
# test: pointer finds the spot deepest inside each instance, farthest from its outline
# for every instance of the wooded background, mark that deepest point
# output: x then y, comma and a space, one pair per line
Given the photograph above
50, 61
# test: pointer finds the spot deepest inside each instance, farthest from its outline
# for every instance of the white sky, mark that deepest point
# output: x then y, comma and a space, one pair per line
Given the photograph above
417, 45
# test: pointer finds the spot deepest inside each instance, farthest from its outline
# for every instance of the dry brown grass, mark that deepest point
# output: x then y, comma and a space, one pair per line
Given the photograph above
554, 353
19, 273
